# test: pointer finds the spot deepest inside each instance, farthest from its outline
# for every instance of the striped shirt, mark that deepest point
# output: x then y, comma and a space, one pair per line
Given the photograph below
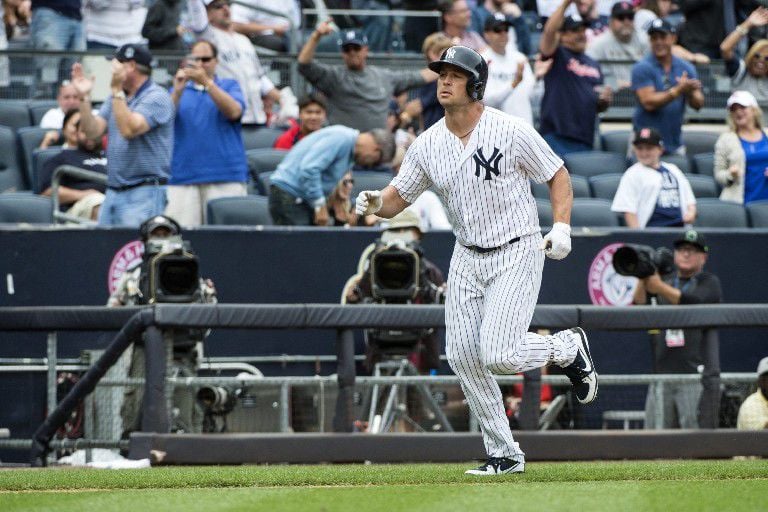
485, 184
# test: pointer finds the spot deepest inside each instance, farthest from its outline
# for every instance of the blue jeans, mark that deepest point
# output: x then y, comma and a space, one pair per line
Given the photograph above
133, 206
564, 145
50, 30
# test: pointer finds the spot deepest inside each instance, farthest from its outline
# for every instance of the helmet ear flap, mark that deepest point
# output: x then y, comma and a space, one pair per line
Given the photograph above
474, 88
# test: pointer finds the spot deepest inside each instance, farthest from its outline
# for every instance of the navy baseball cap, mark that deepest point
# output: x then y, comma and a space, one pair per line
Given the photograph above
356, 37
572, 23
134, 52
647, 136
661, 26
694, 238
496, 20
622, 9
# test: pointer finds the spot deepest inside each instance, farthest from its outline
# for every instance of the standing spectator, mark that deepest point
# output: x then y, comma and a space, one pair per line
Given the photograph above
56, 25
510, 78
358, 94
704, 26
650, 10
312, 116
663, 84
264, 29
425, 105
621, 42
309, 172
138, 115
573, 87
162, 28
741, 154
378, 29
457, 23
416, 29
753, 413
596, 23
16, 17
519, 35
751, 73
653, 193
110, 24
77, 197
211, 21
208, 110
679, 350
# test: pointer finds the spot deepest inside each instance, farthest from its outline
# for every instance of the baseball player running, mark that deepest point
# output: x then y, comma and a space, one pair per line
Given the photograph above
480, 160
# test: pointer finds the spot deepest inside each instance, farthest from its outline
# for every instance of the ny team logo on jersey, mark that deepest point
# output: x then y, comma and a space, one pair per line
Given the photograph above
491, 165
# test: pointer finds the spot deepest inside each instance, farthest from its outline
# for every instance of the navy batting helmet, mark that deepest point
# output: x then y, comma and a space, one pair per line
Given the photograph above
470, 62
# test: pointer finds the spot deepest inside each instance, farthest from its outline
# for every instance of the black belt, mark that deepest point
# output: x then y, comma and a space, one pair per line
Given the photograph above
483, 250
149, 181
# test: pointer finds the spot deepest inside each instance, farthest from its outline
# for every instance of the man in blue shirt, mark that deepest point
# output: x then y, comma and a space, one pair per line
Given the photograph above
310, 171
573, 87
208, 112
663, 84
138, 116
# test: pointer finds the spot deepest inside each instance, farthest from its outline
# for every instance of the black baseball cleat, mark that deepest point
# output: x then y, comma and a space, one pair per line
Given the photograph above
498, 466
582, 370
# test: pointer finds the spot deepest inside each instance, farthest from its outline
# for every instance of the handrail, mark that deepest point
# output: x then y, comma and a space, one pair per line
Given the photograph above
75, 172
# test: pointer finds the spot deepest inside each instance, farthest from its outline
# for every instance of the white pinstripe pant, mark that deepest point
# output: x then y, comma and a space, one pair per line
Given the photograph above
489, 307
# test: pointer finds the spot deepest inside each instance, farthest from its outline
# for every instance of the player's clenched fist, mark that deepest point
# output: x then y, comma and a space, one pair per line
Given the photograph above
368, 202
557, 243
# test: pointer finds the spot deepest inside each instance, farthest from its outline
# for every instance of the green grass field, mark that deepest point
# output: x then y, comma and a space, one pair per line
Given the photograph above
669, 486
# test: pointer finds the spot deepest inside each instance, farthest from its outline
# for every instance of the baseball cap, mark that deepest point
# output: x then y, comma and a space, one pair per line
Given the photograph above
661, 26
692, 237
743, 98
622, 9
405, 219
647, 136
572, 23
133, 52
356, 37
496, 20
762, 366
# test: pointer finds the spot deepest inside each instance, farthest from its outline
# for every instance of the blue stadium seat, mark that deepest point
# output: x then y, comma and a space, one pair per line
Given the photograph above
11, 175
593, 212
29, 140
22, 207
703, 186
262, 183
261, 161
604, 186
699, 141
681, 161
369, 180
580, 188
260, 138
714, 213
15, 114
38, 108
704, 164
592, 163
758, 214
616, 141
39, 158
544, 208
243, 211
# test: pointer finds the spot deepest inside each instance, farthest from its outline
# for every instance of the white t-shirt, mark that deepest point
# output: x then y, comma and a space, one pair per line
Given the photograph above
485, 185
431, 212
114, 22
498, 91
243, 14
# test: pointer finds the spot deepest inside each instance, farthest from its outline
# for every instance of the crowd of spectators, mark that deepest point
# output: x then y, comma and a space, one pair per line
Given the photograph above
222, 92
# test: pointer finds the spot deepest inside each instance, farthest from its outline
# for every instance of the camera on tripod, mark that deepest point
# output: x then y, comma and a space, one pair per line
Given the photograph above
643, 261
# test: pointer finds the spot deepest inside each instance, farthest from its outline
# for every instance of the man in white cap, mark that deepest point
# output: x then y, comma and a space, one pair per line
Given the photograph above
753, 413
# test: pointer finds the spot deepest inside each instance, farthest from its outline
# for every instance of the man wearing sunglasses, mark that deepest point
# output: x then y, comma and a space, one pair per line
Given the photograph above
358, 94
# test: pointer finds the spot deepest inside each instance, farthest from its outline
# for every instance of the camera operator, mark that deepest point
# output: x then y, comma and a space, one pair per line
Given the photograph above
162, 239
679, 350
402, 232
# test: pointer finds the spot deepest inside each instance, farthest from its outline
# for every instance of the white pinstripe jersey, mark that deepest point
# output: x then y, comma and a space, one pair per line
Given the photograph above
485, 185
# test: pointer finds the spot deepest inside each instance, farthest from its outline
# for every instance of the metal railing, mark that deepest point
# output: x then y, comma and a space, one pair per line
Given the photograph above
73, 172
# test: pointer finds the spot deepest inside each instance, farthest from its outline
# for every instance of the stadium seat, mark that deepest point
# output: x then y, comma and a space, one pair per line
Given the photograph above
234, 211
592, 163
580, 188
604, 186
681, 161
544, 208
714, 213
14, 114
369, 180
704, 164
699, 141
29, 140
39, 157
22, 207
703, 186
592, 212
260, 138
11, 175
616, 141
262, 183
264, 160
38, 108
758, 214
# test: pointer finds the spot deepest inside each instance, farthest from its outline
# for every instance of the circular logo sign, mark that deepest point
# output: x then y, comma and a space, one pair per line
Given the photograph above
126, 259
606, 287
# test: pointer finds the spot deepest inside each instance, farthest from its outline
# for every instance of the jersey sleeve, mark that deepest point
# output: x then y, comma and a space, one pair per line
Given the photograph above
533, 155
412, 178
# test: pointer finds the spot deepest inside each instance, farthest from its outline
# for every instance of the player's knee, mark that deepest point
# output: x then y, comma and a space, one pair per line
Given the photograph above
503, 364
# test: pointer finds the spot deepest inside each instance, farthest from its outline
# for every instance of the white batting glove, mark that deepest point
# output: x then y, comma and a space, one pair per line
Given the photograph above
557, 243
368, 202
